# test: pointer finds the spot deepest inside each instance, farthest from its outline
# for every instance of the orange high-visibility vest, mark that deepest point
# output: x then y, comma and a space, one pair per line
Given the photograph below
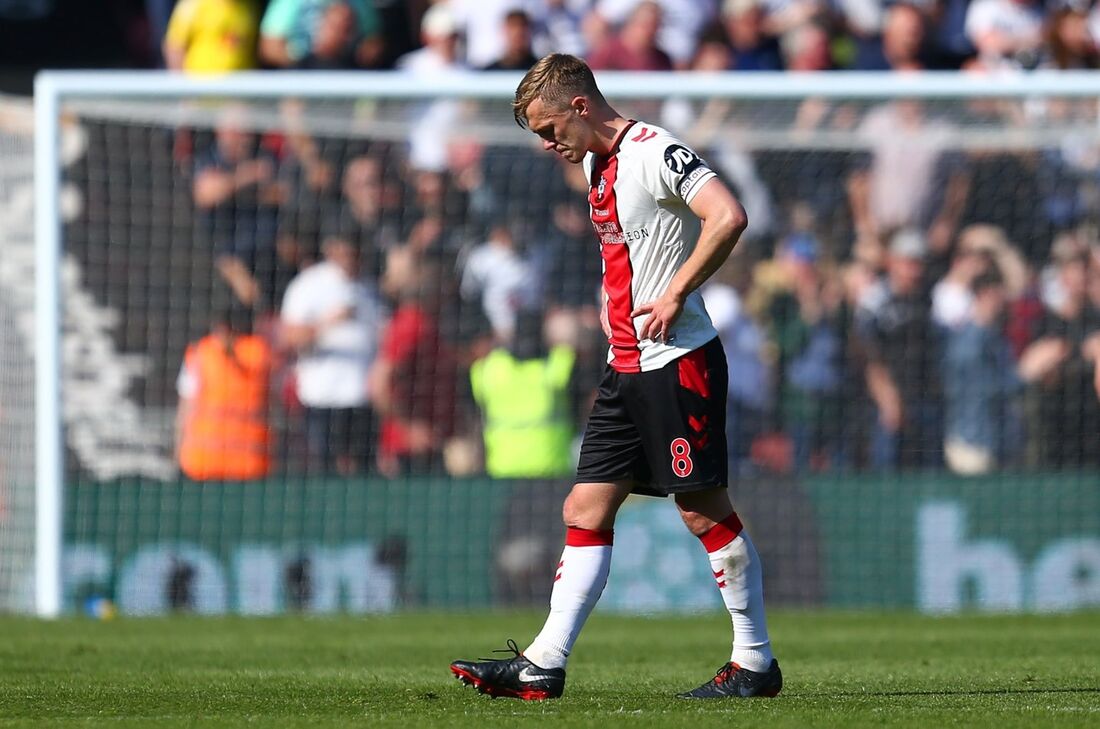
226, 435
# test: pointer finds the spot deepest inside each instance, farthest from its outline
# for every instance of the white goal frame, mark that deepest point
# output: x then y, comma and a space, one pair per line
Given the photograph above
53, 88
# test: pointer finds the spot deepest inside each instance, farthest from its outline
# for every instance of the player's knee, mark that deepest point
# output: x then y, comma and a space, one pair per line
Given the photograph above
572, 511
584, 513
696, 523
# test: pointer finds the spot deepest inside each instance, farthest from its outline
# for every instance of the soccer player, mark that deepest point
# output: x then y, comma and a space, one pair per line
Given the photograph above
658, 424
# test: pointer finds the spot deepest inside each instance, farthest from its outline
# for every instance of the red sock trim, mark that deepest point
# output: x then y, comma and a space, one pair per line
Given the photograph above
721, 533
575, 537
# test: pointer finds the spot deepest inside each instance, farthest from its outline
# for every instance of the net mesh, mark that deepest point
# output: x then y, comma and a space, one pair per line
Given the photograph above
908, 322
16, 355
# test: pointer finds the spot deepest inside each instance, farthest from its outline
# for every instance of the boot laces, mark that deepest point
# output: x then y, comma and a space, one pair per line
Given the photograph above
512, 648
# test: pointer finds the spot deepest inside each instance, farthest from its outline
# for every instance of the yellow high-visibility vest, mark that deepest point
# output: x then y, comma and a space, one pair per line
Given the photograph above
528, 428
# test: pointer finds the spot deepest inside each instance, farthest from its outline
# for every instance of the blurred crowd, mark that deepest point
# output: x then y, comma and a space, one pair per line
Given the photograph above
209, 36
906, 305
429, 303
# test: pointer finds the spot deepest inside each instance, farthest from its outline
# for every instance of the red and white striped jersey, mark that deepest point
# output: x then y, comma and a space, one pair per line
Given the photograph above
638, 197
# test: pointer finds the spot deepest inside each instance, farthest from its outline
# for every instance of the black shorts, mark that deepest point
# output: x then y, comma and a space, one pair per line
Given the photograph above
664, 430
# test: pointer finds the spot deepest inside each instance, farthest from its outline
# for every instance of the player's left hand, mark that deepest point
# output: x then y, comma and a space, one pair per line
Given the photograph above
663, 313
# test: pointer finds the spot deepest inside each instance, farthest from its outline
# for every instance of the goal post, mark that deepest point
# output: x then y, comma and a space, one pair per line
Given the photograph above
760, 121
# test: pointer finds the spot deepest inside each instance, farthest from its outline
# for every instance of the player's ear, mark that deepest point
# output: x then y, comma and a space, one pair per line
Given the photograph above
579, 104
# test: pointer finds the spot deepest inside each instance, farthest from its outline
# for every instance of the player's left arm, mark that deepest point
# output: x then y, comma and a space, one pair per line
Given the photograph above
723, 219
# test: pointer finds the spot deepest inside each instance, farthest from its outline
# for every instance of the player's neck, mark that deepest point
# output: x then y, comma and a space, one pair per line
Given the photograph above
608, 132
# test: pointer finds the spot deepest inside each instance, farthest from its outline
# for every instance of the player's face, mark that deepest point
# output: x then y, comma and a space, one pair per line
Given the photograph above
562, 130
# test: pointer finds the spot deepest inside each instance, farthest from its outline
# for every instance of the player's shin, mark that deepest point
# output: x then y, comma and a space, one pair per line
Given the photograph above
579, 582
737, 570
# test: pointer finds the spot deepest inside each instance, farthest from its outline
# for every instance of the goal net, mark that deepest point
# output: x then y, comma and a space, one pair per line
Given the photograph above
16, 355
293, 310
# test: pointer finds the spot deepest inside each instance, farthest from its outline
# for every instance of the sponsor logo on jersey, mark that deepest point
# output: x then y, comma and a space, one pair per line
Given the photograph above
609, 233
639, 234
680, 159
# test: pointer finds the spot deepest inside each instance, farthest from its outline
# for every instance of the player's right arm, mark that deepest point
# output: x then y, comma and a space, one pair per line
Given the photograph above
723, 220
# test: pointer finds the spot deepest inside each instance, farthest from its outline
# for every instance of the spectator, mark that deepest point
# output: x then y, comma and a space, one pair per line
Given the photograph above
309, 164
898, 187
953, 295
236, 192
1069, 41
903, 43
497, 275
321, 34
523, 392
559, 27
682, 21
951, 44
480, 22
982, 426
1063, 364
331, 318
223, 386
423, 245
517, 54
414, 380
902, 348
334, 45
1006, 33
370, 211
980, 249
158, 13
439, 33
564, 238
809, 336
212, 36
749, 384
860, 23
433, 121
806, 48
634, 47
753, 49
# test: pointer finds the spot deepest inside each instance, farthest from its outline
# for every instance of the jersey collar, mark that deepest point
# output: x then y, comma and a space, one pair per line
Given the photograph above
619, 138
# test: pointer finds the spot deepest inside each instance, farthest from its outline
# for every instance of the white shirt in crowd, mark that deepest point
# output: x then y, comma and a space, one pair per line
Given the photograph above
1022, 22
333, 372
505, 282
951, 304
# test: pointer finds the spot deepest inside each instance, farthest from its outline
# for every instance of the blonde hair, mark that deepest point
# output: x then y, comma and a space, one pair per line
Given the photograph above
555, 79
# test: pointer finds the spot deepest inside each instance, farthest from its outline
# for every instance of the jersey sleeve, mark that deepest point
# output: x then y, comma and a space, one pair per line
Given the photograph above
673, 171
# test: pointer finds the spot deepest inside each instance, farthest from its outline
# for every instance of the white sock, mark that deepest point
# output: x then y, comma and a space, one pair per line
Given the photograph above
737, 570
578, 584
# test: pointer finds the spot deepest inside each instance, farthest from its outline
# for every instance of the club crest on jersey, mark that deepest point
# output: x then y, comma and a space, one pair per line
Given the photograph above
601, 187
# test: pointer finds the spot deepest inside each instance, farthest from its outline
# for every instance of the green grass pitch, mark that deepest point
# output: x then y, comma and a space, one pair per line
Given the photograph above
841, 670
